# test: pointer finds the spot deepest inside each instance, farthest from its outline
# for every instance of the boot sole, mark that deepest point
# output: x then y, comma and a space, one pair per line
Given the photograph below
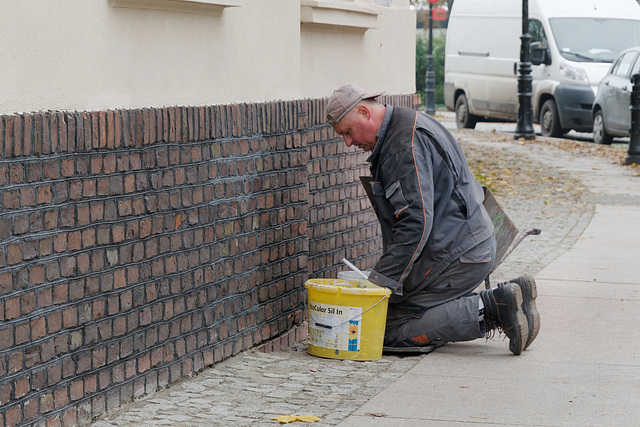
529, 294
522, 333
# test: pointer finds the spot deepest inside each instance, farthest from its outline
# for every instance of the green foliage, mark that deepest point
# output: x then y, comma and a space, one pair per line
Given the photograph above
422, 53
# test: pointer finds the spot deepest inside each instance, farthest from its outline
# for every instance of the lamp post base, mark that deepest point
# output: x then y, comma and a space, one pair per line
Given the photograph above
632, 159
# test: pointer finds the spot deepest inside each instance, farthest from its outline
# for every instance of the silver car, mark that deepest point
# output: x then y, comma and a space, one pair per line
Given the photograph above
611, 113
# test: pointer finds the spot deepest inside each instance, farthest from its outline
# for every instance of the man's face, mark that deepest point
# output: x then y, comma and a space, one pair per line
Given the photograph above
356, 128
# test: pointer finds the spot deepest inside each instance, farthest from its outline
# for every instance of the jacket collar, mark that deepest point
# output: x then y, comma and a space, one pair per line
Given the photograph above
382, 133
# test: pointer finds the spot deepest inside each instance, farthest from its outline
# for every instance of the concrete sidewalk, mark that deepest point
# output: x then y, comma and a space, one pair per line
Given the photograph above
584, 367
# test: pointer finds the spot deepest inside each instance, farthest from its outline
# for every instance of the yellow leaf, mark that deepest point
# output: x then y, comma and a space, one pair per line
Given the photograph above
285, 419
308, 418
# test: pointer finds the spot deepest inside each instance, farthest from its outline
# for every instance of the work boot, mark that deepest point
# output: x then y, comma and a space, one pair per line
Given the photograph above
529, 294
503, 310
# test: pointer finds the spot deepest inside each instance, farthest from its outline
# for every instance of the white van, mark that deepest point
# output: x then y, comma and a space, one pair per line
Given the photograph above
573, 43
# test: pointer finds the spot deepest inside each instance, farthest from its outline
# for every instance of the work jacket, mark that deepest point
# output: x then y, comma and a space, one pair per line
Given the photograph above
428, 202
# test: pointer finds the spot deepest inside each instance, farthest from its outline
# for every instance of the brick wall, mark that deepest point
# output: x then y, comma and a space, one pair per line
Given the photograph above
139, 246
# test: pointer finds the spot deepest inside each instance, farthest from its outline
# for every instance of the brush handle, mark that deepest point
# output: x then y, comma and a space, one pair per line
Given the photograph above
354, 268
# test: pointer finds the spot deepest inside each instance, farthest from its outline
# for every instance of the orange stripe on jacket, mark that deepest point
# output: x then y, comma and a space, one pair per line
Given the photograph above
424, 213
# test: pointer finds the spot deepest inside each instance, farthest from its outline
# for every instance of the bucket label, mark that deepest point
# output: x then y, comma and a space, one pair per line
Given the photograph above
334, 326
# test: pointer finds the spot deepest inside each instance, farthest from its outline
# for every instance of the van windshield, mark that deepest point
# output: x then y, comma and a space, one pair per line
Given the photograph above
594, 39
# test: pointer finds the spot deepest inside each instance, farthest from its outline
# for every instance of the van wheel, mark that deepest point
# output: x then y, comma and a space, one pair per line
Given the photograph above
549, 119
600, 134
464, 119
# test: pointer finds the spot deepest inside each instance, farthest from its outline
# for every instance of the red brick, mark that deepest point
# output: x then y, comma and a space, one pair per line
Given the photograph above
36, 274
47, 350
21, 387
6, 337
144, 363
54, 322
46, 245
30, 409
52, 170
74, 240
60, 242
29, 250
82, 214
28, 302
70, 317
38, 328
84, 362
83, 263
97, 211
58, 128
5, 392
61, 344
98, 309
14, 254
119, 279
88, 238
13, 416
119, 326
68, 168
11, 199
130, 368
46, 403
118, 233
76, 289
68, 266
12, 308
70, 417
44, 297
17, 174
61, 293
76, 390
6, 285
8, 135
61, 397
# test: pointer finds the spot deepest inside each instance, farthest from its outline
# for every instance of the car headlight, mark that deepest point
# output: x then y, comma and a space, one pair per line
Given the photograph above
573, 73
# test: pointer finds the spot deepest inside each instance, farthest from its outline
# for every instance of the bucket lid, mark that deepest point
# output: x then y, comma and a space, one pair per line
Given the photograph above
355, 287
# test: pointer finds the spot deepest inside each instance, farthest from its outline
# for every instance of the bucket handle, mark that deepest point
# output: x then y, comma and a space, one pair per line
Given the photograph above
348, 320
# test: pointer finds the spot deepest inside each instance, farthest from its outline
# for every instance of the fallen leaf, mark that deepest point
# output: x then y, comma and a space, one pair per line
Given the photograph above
285, 419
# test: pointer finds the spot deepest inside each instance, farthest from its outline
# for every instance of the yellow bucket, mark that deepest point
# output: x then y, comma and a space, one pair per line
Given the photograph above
346, 318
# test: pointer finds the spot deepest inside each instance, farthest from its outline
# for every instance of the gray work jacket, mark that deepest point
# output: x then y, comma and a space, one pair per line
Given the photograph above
428, 202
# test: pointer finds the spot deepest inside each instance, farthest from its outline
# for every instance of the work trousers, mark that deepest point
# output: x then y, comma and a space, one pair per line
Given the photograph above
448, 309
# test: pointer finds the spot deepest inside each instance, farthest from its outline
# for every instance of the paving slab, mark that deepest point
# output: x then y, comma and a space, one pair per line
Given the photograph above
608, 251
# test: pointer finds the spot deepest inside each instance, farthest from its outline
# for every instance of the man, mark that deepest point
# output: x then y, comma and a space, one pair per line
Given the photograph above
438, 240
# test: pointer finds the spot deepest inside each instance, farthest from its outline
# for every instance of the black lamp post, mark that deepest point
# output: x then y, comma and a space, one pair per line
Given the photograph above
430, 81
633, 153
524, 125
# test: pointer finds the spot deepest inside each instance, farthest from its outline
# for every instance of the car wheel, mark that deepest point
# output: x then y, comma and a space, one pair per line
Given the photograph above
549, 119
464, 119
600, 134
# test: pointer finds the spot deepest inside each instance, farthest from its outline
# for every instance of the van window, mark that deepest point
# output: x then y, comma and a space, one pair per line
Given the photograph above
594, 39
536, 31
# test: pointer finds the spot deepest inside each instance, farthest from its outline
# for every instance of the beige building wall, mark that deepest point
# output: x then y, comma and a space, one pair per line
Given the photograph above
108, 54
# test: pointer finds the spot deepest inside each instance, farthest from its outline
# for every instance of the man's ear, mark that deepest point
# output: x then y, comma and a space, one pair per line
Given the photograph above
364, 111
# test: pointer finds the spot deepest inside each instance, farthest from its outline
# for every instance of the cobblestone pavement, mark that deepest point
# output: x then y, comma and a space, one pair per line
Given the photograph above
253, 387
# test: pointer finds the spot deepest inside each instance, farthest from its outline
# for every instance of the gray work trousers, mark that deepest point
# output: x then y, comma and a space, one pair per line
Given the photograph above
448, 309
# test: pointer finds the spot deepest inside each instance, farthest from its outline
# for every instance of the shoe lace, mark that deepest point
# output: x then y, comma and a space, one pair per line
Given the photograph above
491, 327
